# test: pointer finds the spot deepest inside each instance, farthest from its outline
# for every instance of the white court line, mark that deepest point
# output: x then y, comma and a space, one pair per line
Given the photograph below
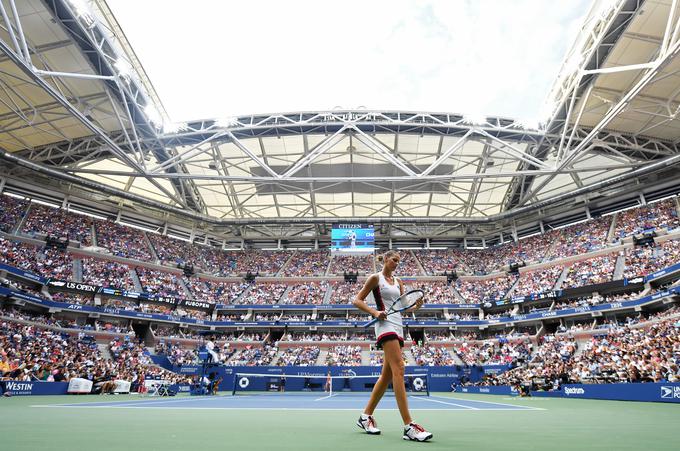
442, 402
325, 397
490, 402
141, 402
245, 408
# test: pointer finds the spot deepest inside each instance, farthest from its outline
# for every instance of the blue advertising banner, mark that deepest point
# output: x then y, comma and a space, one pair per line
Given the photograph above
21, 388
649, 392
21, 273
334, 307
469, 323
494, 390
663, 272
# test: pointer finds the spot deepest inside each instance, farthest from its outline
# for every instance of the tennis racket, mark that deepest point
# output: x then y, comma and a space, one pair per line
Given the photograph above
408, 299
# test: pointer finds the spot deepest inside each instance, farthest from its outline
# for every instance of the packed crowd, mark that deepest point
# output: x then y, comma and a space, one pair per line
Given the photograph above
307, 263
591, 271
45, 220
129, 242
438, 335
160, 283
254, 355
256, 262
107, 273
264, 293
344, 356
47, 262
29, 352
72, 298
122, 241
319, 336
619, 354
177, 355
408, 265
539, 281
641, 261
172, 251
363, 264
660, 215
215, 292
430, 355
299, 356
306, 293
344, 292
435, 292
437, 261
476, 291
577, 238
495, 352
12, 210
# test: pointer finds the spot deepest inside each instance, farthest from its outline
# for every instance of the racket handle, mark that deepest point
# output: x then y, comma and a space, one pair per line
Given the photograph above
371, 322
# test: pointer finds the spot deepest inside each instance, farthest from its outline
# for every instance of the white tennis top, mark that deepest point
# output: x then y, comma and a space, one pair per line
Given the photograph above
385, 295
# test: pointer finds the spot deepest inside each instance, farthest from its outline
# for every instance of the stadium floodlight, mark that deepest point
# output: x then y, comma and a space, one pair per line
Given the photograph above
177, 237
571, 224
86, 213
137, 226
153, 115
475, 119
16, 196
83, 11
45, 203
529, 124
226, 122
173, 127
124, 69
529, 236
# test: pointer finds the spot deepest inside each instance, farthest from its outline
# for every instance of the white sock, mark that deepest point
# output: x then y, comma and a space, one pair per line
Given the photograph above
364, 416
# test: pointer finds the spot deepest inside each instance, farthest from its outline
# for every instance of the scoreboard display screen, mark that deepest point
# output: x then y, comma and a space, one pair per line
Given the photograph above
352, 238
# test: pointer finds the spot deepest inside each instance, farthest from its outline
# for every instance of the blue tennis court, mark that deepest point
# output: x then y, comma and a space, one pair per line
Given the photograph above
297, 401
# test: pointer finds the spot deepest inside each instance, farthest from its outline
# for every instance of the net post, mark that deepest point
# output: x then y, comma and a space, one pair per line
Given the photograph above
427, 383
233, 391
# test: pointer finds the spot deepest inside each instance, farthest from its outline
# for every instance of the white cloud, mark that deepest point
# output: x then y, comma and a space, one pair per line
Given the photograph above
217, 59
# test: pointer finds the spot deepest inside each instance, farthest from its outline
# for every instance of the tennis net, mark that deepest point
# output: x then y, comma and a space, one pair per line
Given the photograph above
248, 383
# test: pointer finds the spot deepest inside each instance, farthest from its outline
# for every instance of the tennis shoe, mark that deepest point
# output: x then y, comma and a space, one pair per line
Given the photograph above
368, 424
416, 433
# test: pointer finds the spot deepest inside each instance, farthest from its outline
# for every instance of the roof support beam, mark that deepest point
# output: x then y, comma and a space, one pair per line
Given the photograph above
571, 155
319, 150
401, 178
450, 151
382, 150
28, 71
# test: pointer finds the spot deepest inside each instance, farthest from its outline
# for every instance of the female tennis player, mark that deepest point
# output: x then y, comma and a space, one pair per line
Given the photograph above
386, 290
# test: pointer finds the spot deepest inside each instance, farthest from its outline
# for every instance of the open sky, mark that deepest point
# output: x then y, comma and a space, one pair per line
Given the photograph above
217, 59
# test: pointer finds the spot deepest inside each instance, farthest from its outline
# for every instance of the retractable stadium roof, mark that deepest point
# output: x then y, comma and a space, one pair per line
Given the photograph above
78, 109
